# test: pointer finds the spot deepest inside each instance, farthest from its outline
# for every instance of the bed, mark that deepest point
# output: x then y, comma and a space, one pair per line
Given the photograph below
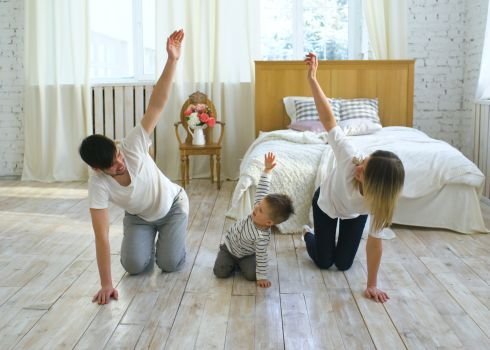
442, 187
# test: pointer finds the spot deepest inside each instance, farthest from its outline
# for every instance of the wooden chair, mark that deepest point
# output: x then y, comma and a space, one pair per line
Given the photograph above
211, 148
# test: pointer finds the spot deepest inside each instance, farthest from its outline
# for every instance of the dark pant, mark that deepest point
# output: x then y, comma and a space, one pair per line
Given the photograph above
321, 245
226, 263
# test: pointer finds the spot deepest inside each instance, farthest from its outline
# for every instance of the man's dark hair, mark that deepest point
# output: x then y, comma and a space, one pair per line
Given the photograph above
281, 207
98, 151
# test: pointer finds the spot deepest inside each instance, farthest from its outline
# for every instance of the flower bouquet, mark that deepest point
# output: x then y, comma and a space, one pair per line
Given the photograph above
199, 115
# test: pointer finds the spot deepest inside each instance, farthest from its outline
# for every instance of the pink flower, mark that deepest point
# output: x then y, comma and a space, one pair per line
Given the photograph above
189, 110
204, 117
200, 114
201, 108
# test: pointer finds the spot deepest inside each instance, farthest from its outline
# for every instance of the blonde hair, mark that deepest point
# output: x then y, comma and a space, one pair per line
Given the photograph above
384, 176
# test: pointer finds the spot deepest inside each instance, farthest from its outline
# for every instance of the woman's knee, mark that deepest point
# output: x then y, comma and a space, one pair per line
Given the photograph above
324, 265
343, 265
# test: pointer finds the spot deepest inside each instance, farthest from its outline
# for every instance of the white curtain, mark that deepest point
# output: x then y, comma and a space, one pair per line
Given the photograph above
56, 103
217, 60
483, 89
387, 27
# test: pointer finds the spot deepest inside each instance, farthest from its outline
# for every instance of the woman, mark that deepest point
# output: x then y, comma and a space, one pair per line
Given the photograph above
356, 187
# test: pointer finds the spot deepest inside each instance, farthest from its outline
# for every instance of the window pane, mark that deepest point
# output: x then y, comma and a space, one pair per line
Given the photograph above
326, 28
149, 37
111, 25
291, 28
276, 29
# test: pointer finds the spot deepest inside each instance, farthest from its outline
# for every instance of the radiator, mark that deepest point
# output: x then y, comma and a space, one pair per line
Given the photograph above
481, 147
116, 109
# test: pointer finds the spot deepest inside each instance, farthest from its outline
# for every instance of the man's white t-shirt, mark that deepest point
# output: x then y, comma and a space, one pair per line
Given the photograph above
339, 197
150, 194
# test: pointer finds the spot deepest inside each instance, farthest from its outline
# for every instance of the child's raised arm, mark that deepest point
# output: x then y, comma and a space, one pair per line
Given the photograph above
269, 162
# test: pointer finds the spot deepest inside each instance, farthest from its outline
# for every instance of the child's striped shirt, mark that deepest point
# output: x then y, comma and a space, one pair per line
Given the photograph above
244, 238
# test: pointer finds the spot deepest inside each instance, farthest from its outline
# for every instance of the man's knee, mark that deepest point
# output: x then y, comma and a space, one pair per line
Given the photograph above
171, 264
134, 266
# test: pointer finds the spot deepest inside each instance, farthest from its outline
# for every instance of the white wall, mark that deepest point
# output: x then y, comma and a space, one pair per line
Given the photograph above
11, 87
445, 38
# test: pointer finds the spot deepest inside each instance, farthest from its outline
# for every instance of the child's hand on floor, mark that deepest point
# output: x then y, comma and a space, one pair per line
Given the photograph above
264, 283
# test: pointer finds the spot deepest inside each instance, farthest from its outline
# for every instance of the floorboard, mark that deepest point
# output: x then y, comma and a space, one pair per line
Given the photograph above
438, 283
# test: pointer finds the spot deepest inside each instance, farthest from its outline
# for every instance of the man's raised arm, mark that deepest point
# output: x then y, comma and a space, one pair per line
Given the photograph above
161, 91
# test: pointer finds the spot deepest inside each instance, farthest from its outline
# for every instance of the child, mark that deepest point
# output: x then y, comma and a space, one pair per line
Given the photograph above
356, 187
247, 240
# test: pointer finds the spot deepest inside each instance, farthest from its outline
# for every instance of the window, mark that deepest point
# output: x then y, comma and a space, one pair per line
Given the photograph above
333, 29
122, 40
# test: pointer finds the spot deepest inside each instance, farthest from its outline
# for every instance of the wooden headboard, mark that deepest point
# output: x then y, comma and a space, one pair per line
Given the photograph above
391, 81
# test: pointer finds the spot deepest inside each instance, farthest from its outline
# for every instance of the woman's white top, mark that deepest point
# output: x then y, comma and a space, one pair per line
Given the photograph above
339, 197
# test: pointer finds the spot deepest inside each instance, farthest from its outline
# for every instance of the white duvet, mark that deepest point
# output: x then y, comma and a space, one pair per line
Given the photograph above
429, 163
304, 159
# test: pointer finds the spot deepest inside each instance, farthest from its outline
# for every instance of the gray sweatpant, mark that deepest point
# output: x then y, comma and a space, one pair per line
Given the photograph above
226, 262
138, 244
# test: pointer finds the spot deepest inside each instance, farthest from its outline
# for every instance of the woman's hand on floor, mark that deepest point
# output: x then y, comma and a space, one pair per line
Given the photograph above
376, 294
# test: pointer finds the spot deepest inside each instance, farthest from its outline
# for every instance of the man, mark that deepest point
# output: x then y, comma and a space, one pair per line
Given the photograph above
128, 177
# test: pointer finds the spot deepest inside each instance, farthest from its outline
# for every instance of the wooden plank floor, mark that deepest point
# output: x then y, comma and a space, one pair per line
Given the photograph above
438, 282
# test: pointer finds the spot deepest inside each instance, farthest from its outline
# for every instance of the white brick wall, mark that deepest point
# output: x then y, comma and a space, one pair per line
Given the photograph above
445, 38
11, 87
436, 41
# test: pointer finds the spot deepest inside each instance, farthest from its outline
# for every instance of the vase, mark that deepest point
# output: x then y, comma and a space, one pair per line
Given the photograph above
198, 135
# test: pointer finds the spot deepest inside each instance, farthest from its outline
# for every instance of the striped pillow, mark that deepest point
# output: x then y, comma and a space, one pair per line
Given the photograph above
305, 110
359, 116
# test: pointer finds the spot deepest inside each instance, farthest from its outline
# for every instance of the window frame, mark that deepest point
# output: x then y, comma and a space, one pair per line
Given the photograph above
357, 46
138, 52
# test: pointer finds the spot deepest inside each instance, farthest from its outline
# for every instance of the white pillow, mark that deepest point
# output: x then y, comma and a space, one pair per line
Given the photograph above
359, 116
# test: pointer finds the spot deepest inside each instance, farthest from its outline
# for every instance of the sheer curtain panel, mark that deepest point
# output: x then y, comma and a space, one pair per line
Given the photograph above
483, 89
387, 27
221, 39
56, 105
